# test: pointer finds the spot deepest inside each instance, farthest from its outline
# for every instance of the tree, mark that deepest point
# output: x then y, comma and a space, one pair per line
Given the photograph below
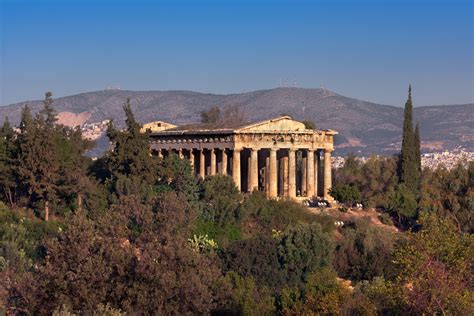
364, 251
135, 258
435, 268
211, 116
8, 182
39, 167
408, 164
309, 124
346, 193
417, 143
403, 203
131, 167
450, 193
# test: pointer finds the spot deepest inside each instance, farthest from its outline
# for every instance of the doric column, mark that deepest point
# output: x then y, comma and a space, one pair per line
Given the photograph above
327, 173
304, 182
286, 178
236, 167
267, 176
253, 181
310, 172
191, 159
224, 162
213, 162
202, 164
273, 180
317, 162
291, 173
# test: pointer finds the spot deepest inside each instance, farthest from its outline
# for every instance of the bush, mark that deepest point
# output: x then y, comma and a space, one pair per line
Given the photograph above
402, 202
221, 201
364, 252
271, 214
345, 193
385, 219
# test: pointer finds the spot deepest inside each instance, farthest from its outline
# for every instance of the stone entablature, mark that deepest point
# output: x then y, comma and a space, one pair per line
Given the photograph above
278, 156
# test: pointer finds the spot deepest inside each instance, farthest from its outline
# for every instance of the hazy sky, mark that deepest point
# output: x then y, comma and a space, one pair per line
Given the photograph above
369, 50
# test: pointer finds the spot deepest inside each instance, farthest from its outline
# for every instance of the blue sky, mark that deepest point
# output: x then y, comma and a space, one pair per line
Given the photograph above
364, 49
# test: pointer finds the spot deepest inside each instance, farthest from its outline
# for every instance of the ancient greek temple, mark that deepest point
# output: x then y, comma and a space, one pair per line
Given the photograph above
278, 156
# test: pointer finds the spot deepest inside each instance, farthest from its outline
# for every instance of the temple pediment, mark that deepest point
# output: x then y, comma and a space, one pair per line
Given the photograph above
283, 123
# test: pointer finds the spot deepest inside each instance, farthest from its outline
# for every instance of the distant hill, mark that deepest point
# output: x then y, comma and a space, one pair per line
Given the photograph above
364, 127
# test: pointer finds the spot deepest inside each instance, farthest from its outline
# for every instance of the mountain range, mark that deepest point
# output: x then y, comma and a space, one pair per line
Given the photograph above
364, 127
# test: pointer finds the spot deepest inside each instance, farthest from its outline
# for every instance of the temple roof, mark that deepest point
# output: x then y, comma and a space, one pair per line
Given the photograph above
278, 124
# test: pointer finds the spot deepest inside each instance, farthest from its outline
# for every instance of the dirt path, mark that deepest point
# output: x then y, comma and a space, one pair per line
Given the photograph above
371, 214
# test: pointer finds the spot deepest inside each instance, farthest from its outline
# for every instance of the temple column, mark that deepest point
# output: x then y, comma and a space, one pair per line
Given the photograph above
236, 167
304, 181
272, 179
317, 162
213, 162
286, 178
253, 181
160, 154
327, 174
191, 159
310, 172
180, 154
267, 176
292, 173
224, 162
202, 164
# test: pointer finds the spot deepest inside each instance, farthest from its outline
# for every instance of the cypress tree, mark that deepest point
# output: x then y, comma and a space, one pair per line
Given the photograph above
417, 144
407, 163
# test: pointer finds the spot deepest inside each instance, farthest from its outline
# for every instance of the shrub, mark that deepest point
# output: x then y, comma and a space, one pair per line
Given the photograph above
345, 193
385, 219
364, 252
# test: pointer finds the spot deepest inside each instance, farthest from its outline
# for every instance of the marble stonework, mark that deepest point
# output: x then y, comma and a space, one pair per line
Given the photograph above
278, 156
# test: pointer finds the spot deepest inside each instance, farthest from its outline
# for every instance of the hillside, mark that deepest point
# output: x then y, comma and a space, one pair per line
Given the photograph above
364, 127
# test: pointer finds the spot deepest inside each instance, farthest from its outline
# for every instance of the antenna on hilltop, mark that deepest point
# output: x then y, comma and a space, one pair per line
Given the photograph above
322, 85
294, 83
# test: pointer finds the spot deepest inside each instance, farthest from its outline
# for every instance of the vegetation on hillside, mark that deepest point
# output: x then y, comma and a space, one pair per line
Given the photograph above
131, 233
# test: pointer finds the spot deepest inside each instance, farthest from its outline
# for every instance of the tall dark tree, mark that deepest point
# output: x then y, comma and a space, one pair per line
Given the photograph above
417, 143
408, 170
130, 164
7, 167
39, 167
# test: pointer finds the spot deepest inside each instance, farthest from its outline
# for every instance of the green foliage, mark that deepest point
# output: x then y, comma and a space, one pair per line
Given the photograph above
202, 243
309, 124
146, 267
344, 193
402, 202
386, 296
322, 295
211, 116
304, 248
385, 219
248, 298
410, 162
373, 178
434, 268
129, 163
221, 200
256, 209
20, 238
364, 252
450, 193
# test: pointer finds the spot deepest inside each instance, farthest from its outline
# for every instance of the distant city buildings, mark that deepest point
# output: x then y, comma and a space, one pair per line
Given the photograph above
449, 159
